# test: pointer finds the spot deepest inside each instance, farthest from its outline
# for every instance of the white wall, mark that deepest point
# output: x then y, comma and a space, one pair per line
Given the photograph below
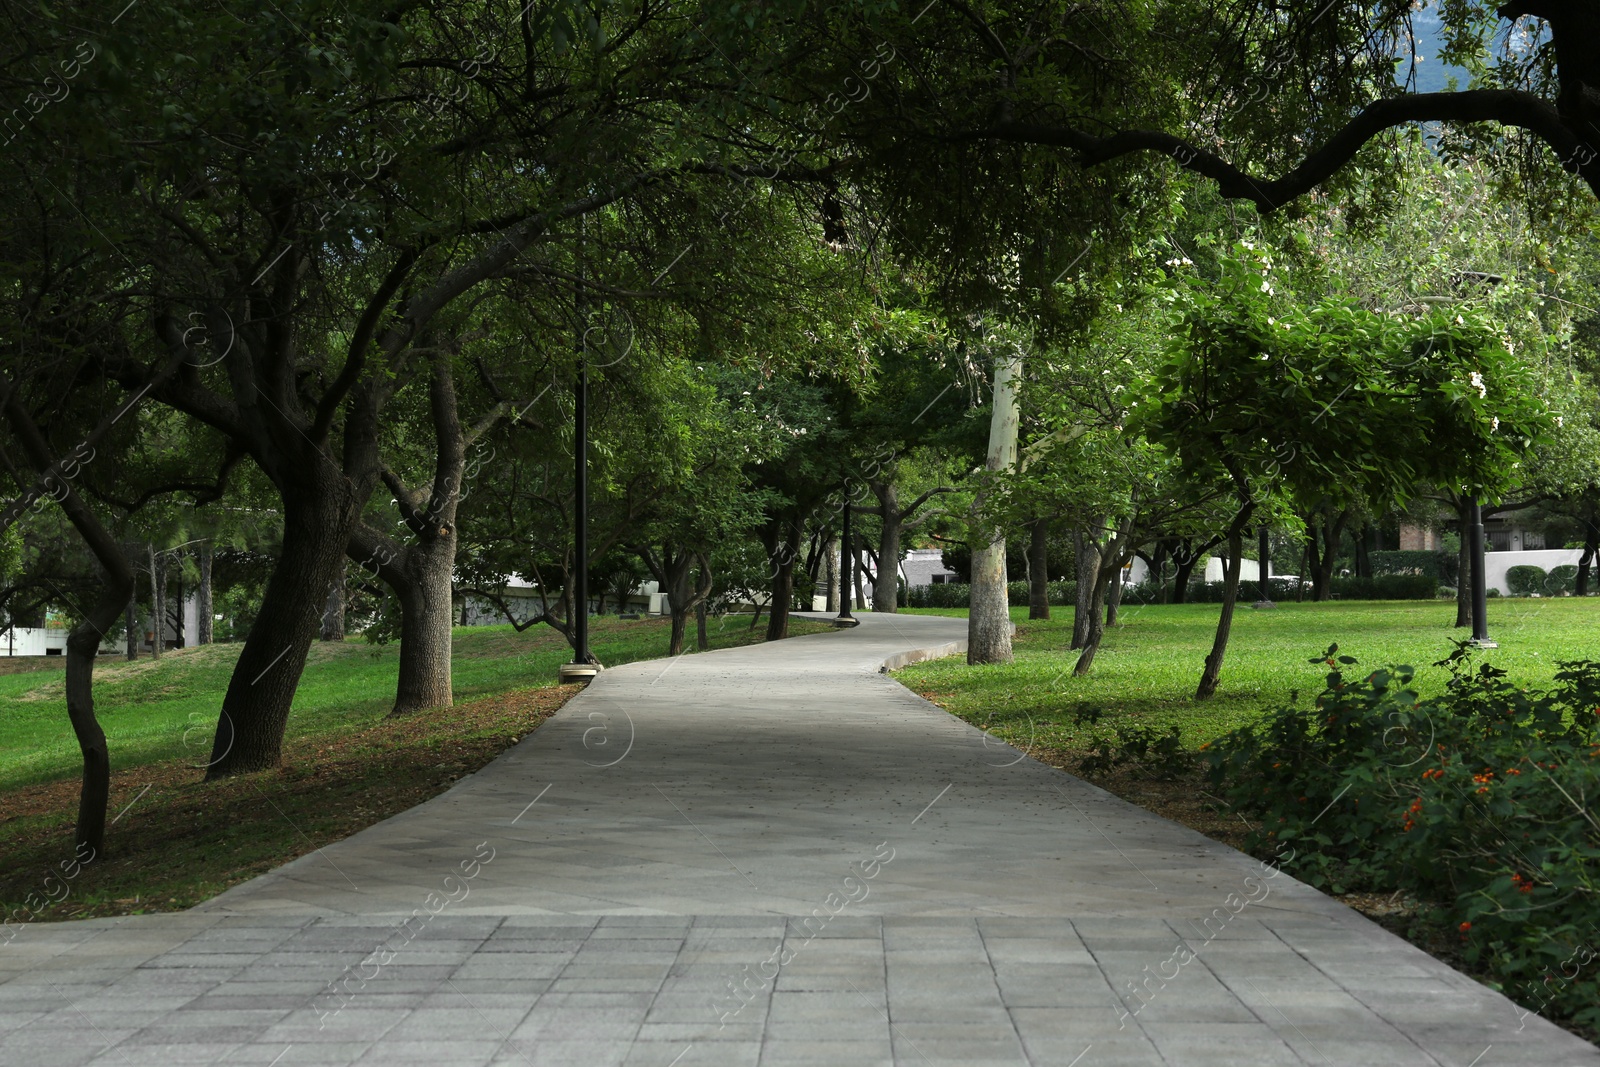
1495, 564
1249, 572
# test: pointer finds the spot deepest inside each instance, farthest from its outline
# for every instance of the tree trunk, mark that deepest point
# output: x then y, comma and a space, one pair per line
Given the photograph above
1182, 572
830, 564
858, 577
989, 614
426, 614
158, 602
783, 597
702, 640
83, 643
886, 586
202, 599
1591, 549
1038, 569
131, 620
180, 636
1104, 579
1212, 674
319, 509
333, 609
1114, 597
1088, 567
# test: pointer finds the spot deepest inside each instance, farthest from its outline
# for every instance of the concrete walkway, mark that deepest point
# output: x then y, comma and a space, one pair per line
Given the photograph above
772, 855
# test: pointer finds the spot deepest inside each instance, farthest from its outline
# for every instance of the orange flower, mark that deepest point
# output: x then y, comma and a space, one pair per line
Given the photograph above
1464, 927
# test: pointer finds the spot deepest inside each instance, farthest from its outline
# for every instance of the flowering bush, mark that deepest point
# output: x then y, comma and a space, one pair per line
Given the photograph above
1476, 802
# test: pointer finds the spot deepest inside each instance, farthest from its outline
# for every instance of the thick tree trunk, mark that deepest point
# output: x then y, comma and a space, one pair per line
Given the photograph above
1212, 675
202, 599
427, 613
989, 616
1038, 569
1106, 578
782, 595
333, 607
886, 586
130, 620
318, 513
158, 602
1088, 568
1183, 571
702, 640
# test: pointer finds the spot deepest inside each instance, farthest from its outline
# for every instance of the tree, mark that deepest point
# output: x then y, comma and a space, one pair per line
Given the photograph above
989, 617
1357, 408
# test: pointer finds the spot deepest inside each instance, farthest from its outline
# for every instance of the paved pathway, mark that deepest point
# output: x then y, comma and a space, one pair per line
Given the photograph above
773, 856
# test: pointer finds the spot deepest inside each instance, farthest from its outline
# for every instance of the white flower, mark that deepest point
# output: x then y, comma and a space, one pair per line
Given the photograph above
1560, 422
1494, 424
1477, 383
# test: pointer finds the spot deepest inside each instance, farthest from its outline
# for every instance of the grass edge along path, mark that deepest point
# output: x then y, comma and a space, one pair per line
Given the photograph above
176, 840
1041, 716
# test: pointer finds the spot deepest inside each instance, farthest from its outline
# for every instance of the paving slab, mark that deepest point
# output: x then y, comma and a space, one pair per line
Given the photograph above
761, 856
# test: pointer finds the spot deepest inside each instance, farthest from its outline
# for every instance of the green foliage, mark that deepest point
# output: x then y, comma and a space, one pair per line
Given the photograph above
1437, 564
1562, 579
1525, 579
1467, 800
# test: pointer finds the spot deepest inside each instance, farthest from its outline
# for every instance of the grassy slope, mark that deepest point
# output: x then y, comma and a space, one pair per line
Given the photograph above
1147, 668
158, 711
178, 840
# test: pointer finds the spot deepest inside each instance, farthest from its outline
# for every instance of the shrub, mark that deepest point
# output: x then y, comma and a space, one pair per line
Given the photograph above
948, 595
1446, 592
1562, 579
1439, 565
1465, 800
1524, 579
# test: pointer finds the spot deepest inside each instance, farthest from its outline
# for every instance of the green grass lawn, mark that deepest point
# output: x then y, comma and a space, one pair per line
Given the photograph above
176, 839
160, 711
1148, 667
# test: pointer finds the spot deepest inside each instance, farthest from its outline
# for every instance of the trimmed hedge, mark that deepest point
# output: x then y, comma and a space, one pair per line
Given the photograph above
1562, 579
1525, 579
1065, 594
1435, 563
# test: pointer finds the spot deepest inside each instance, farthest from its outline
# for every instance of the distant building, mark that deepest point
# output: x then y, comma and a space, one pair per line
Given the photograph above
925, 566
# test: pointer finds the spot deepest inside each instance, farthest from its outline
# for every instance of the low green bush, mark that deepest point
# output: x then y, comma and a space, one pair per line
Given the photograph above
1525, 579
1562, 579
1435, 563
1474, 802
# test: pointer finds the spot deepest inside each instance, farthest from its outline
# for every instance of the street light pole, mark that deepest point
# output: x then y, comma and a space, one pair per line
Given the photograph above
1480, 590
583, 666
847, 570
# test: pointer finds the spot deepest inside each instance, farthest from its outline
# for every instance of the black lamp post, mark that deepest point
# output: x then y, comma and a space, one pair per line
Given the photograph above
847, 577
1480, 590
583, 666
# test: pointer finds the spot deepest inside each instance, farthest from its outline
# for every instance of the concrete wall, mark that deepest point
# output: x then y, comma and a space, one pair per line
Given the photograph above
1495, 564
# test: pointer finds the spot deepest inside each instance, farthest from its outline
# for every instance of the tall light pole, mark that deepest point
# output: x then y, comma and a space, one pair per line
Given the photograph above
1480, 583
583, 666
847, 570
